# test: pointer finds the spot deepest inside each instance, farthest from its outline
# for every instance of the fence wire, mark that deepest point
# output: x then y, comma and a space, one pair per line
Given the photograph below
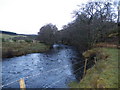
41, 73
64, 77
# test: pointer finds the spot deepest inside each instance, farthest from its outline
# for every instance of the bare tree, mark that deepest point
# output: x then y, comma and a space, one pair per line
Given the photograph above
92, 21
47, 34
99, 16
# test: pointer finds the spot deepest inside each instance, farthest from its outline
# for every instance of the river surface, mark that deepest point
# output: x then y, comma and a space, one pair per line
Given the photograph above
52, 69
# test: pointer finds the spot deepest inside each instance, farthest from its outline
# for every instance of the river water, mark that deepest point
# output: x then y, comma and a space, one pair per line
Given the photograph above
52, 69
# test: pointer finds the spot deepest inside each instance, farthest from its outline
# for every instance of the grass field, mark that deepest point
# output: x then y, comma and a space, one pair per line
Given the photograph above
11, 49
104, 74
7, 36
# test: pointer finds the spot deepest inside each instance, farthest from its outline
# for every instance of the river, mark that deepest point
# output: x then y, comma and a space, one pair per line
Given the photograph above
52, 69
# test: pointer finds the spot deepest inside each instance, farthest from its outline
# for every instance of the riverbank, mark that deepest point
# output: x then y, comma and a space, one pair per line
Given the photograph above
11, 49
104, 74
52, 69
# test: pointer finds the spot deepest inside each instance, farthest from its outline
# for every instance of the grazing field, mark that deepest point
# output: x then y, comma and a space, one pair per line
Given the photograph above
11, 49
104, 74
7, 36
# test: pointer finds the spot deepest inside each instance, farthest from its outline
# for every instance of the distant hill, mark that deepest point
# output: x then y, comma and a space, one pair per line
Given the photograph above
15, 36
7, 32
13, 33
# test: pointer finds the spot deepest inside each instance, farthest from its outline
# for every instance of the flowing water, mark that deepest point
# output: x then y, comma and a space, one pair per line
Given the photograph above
52, 69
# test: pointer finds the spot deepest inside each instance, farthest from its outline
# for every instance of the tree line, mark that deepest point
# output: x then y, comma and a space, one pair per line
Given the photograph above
93, 22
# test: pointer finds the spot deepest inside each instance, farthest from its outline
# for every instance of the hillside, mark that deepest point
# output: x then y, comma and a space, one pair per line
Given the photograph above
7, 32
20, 44
12, 36
104, 74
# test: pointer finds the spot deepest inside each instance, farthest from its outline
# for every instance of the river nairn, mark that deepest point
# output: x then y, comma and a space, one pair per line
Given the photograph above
52, 69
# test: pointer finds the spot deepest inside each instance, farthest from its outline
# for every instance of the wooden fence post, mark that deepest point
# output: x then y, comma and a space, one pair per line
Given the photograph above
22, 84
95, 59
85, 66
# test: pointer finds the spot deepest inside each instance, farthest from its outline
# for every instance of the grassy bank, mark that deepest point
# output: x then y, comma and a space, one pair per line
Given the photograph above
104, 74
11, 49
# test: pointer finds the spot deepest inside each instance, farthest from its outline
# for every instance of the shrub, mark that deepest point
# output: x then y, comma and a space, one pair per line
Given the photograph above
28, 40
96, 52
3, 40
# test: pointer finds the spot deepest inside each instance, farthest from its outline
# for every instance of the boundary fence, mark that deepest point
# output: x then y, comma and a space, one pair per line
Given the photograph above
22, 80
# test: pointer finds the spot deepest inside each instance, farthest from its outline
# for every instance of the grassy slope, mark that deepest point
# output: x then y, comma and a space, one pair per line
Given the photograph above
103, 75
6, 36
10, 49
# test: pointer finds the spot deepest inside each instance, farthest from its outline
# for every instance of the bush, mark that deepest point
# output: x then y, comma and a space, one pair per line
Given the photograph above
3, 40
96, 52
28, 41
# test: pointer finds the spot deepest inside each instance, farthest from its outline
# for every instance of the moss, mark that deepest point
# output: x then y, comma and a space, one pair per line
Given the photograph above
73, 85
104, 74
89, 53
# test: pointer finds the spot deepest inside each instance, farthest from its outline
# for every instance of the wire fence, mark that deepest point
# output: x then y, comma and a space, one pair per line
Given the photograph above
64, 77
34, 75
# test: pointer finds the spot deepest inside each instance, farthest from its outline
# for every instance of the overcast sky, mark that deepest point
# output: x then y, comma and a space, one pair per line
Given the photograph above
28, 16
